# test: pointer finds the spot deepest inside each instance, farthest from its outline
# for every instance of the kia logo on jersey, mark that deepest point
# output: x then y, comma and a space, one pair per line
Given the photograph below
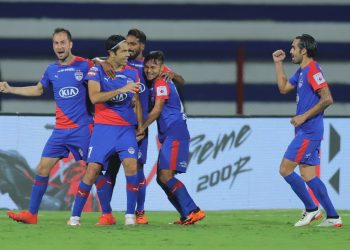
119, 98
68, 92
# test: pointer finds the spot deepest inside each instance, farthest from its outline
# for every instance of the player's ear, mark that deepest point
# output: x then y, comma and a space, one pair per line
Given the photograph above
142, 46
71, 45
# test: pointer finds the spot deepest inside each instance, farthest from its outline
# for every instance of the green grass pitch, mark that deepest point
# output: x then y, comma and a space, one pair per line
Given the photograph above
243, 229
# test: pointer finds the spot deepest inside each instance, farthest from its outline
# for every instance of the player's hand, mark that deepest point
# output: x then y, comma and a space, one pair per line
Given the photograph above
140, 134
168, 76
297, 120
5, 87
278, 55
108, 69
132, 87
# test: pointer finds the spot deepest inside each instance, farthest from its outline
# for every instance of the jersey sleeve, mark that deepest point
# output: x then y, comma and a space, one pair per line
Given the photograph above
316, 79
45, 79
166, 69
161, 89
294, 78
93, 74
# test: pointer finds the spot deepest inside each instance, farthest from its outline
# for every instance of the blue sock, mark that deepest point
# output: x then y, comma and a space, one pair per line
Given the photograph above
38, 191
80, 198
109, 188
141, 196
132, 187
320, 191
172, 199
299, 188
178, 189
102, 187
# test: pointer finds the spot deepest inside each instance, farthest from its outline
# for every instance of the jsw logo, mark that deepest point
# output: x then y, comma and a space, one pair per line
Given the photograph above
119, 98
68, 92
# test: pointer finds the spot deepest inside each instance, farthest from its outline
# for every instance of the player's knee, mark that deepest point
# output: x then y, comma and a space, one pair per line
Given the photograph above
92, 172
43, 170
284, 171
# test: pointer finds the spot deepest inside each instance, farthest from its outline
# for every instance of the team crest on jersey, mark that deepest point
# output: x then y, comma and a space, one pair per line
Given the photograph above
319, 78
131, 150
68, 92
142, 87
119, 98
162, 91
78, 75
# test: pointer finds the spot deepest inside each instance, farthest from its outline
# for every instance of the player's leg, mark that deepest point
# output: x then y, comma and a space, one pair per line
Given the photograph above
173, 200
38, 190
132, 185
111, 173
92, 172
126, 146
100, 148
105, 185
298, 151
173, 158
320, 191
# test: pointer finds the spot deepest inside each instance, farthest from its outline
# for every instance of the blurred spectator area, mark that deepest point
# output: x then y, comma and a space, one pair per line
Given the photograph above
200, 40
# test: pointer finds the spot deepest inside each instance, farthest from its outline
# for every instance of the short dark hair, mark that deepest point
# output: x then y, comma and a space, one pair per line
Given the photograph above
59, 30
113, 42
138, 34
156, 55
309, 43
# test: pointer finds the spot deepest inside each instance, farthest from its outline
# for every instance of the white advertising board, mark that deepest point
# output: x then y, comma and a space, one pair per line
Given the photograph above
234, 164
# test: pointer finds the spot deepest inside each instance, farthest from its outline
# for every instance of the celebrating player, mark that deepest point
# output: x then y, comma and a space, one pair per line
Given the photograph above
73, 121
174, 137
313, 97
114, 129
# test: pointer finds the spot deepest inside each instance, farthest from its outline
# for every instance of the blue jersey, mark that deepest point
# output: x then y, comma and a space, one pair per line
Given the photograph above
308, 80
172, 119
70, 92
119, 109
144, 93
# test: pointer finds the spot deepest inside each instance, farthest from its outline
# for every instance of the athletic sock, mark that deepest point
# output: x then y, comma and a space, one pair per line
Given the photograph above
38, 191
80, 198
299, 188
132, 187
141, 196
178, 189
320, 191
103, 188
173, 200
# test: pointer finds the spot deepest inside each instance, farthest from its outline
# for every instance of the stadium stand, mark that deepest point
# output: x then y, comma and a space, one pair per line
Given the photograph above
200, 40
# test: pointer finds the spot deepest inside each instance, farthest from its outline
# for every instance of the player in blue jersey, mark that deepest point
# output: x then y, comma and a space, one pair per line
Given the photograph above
73, 121
174, 137
136, 40
114, 128
313, 97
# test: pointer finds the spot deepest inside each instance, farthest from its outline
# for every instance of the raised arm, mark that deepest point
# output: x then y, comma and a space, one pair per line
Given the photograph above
36, 90
282, 82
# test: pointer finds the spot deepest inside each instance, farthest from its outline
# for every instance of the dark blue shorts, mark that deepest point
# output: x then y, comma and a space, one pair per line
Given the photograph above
142, 154
108, 139
174, 154
304, 151
63, 141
